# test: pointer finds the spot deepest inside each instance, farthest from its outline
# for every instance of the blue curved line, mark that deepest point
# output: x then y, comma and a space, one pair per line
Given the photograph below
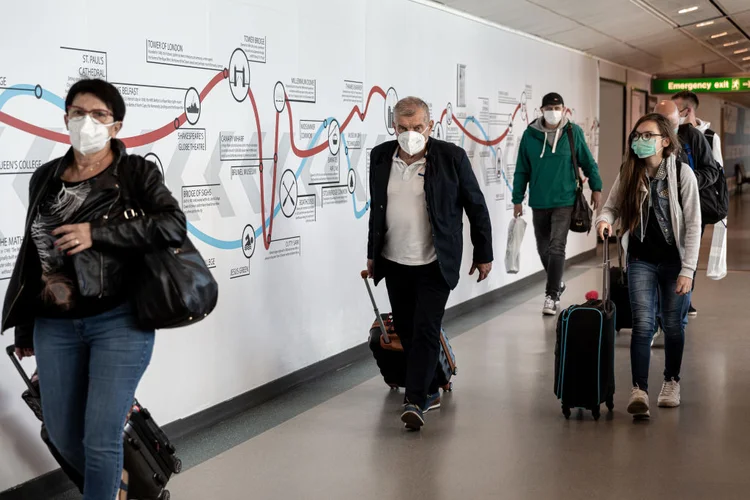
209, 240
486, 138
28, 91
357, 213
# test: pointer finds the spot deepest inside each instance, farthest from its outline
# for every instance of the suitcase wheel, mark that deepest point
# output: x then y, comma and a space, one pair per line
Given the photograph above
448, 387
610, 404
165, 495
177, 466
393, 387
134, 443
455, 371
160, 479
596, 412
566, 412
171, 449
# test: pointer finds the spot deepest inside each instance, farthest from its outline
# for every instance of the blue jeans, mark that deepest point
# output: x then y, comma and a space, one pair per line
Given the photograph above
88, 371
652, 294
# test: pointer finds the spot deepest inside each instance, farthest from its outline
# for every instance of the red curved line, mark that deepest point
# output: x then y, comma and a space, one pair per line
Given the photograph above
33, 129
362, 115
445, 112
273, 189
493, 142
266, 243
302, 153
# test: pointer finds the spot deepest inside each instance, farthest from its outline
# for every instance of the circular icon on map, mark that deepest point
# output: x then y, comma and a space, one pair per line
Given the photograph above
279, 97
449, 114
334, 137
239, 75
351, 181
192, 106
391, 98
288, 193
248, 241
523, 98
438, 132
153, 158
38, 92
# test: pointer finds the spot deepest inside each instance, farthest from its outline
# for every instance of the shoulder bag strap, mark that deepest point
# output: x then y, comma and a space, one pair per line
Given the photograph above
576, 175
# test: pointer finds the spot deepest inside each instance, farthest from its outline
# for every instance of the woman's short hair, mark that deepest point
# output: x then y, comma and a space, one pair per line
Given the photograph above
104, 91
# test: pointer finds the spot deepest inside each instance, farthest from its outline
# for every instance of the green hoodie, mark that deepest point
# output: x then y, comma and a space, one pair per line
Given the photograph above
547, 166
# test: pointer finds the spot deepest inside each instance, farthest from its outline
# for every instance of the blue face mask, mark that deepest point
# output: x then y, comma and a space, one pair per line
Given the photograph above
644, 148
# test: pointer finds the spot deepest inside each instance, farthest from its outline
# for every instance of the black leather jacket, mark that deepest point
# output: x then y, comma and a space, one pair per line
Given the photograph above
118, 239
450, 189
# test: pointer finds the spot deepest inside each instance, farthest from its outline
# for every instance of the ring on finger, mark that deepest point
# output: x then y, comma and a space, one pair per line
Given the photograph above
77, 242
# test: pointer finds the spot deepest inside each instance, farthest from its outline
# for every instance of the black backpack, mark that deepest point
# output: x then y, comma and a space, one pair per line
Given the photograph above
715, 198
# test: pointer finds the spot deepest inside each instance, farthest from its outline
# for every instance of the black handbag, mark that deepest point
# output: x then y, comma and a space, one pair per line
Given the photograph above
175, 287
580, 220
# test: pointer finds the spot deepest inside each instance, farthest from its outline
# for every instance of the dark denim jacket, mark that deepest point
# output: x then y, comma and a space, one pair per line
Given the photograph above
658, 197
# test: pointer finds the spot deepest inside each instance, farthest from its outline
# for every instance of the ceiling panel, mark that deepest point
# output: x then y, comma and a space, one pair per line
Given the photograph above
626, 32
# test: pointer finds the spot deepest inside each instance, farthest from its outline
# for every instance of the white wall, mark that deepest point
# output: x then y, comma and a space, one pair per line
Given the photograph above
290, 311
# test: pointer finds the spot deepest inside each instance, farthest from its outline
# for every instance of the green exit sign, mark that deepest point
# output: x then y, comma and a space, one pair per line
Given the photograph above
728, 84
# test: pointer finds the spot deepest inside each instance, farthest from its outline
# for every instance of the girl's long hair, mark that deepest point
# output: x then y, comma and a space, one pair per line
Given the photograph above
633, 172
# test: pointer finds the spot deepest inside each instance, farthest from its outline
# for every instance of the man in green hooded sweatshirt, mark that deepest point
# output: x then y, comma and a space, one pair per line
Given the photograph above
545, 162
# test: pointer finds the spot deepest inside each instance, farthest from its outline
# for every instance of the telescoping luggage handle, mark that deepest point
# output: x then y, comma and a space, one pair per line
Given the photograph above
605, 274
11, 351
383, 331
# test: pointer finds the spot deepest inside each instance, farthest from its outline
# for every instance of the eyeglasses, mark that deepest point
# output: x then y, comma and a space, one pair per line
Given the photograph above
646, 136
103, 116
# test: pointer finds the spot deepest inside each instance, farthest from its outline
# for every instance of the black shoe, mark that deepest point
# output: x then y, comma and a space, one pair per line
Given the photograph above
692, 312
412, 417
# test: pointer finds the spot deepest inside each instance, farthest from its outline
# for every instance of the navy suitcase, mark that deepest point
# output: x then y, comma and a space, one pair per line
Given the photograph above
389, 353
585, 353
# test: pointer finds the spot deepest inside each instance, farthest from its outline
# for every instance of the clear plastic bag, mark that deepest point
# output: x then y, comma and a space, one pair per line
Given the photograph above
516, 230
717, 259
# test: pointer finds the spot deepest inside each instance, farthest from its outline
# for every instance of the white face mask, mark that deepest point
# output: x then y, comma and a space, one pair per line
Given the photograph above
683, 120
553, 117
412, 142
88, 136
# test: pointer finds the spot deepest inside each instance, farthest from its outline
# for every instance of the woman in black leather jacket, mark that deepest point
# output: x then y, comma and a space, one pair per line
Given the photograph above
68, 295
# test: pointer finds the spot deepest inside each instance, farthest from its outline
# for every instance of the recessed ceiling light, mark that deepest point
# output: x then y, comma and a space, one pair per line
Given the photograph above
729, 44
689, 9
719, 35
741, 51
701, 25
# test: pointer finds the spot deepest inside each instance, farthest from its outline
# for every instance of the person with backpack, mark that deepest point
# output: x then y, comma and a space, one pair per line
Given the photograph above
687, 104
696, 153
550, 149
655, 200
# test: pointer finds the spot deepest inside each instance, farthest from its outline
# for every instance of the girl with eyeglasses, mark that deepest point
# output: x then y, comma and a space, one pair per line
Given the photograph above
655, 200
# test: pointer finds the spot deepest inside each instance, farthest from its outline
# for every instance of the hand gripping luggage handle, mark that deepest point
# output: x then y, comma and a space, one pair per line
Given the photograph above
11, 351
383, 332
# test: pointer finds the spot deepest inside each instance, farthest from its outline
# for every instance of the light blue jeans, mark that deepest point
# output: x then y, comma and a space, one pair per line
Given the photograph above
88, 372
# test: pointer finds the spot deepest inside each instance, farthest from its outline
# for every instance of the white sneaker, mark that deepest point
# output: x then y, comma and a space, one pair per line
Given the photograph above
638, 405
669, 397
658, 339
550, 306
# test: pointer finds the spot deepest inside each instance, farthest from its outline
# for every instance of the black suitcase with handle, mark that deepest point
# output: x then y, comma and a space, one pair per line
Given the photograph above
585, 353
390, 356
149, 457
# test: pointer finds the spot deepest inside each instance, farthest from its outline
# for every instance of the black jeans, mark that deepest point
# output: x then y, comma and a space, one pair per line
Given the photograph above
418, 295
551, 228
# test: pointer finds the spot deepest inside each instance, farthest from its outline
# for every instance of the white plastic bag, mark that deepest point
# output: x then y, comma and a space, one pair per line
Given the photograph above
516, 230
717, 259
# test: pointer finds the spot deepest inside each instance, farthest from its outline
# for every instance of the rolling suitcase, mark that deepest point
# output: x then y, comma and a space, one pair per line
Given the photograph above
620, 292
389, 353
149, 457
585, 352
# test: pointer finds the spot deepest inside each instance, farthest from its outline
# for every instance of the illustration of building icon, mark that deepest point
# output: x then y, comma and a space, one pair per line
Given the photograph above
390, 115
193, 108
249, 241
239, 71
335, 139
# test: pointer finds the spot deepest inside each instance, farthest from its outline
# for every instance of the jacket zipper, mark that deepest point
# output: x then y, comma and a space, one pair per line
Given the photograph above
101, 256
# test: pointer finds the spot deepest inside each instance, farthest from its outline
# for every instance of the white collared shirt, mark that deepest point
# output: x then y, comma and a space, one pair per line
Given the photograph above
408, 238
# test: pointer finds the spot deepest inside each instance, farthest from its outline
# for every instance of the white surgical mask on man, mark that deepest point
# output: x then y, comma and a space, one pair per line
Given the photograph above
88, 136
552, 117
412, 142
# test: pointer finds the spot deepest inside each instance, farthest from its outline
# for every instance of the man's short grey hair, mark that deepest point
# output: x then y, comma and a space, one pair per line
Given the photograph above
408, 106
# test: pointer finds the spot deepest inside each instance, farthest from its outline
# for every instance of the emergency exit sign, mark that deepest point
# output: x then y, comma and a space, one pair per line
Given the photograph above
729, 84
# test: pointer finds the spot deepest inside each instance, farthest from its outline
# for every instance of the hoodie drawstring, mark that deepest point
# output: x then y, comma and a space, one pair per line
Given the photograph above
554, 143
